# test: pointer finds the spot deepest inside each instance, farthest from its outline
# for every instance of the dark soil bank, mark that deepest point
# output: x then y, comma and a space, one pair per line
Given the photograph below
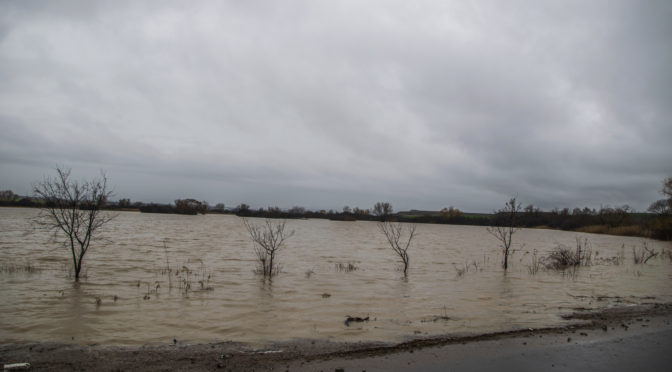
619, 339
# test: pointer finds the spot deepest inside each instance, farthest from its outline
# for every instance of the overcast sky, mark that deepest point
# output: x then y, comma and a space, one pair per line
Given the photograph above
322, 104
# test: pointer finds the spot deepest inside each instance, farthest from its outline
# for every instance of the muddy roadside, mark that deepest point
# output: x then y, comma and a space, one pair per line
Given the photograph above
517, 347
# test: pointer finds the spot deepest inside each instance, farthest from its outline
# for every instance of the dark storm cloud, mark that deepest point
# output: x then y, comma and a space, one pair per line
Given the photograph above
323, 104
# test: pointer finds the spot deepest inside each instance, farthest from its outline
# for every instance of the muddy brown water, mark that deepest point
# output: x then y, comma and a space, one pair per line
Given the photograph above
118, 302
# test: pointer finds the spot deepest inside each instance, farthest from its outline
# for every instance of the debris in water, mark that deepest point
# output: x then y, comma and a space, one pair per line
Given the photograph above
349, 319
17, 366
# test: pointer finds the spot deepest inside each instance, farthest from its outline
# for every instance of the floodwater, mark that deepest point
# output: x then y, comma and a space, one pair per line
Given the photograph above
118, 302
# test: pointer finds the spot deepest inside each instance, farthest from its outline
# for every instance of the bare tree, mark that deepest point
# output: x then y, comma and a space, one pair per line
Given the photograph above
7, 196
662, 206
382, 210
297, 211
393, 232
667, 187
505, 224
268, 239
661, 226
74, 209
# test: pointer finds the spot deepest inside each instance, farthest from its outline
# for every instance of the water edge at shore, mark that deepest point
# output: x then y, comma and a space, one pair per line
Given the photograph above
614, 338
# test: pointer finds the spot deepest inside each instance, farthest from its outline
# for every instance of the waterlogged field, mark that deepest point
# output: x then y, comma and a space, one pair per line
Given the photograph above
154, 278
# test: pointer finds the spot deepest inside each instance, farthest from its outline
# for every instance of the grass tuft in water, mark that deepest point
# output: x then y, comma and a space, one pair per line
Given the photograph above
13, 268
346, 267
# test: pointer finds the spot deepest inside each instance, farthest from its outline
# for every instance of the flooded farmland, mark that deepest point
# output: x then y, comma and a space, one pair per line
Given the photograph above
154, 278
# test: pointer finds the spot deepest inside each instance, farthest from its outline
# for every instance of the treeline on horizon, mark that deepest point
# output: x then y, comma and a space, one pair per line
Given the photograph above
607, 220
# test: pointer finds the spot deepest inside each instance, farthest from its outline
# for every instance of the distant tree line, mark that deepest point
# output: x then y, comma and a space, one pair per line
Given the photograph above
10, 199
181, 206
618, 220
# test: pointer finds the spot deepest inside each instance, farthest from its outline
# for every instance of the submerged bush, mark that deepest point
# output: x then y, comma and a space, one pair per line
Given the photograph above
268, 239
563, 257
644, 254
536, 264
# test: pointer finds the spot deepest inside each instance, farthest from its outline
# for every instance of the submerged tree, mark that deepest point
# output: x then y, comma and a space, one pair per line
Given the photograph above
505, 224
268, 239
73, 209
393, 232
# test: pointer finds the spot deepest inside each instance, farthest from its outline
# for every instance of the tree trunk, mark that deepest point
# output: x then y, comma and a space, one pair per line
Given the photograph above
78, 268
75, 266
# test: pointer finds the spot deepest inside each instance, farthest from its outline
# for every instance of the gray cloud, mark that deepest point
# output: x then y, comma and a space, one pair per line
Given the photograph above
324, 104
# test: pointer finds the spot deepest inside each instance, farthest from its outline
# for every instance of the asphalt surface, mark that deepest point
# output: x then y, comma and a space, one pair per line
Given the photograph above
639, 345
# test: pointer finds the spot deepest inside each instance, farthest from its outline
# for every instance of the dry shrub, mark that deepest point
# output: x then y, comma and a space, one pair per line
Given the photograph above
594, 229
665, 254
473, 266
534, 267
643, 254
563, 257
632, 230
619, 259
185, 277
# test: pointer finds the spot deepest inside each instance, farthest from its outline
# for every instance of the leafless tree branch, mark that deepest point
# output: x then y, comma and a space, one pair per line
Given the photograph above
393, 232
74, 209
506, 222
268, 239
